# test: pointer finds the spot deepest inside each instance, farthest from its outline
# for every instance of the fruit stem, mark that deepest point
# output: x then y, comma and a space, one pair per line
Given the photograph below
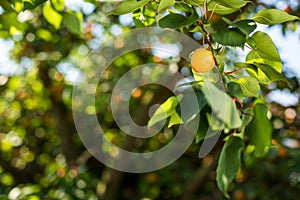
232, 72
206, 34
246, 114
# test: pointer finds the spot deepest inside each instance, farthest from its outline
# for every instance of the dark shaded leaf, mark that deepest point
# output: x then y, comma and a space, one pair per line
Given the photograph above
175, 21
260, 130
31, 4
231, 37
229, 163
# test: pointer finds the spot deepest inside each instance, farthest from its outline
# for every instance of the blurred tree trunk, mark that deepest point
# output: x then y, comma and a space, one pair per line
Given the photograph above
64, 125
141, 117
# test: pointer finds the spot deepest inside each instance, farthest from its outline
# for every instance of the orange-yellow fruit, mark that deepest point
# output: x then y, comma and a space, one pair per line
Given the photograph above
202, 60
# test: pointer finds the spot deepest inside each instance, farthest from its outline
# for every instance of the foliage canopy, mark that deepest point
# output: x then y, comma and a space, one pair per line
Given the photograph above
43, 157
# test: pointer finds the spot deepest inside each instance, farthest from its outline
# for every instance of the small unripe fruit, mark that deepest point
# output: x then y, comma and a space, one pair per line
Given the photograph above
202, 60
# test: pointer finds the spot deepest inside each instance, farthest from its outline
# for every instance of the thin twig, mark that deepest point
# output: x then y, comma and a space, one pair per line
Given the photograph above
232, 72
212, 13
239, 101
205, 10
201, 24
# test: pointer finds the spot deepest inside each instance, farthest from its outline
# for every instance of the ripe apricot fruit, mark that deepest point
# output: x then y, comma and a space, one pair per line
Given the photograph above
202, 60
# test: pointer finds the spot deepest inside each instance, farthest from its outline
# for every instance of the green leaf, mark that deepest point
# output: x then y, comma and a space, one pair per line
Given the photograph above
191, 112
174, 119
136, 15
175, 21
246, 119
273, 16
44, 34
165, 110
263, 73
128, 6
212, 6
11, 24
73, 21
6, 5
236, 4
52, 16
265, 51
138, 23
242, 65
249, 86
148, 14
202, 130
31, 4
230, 37
251, 42
229, 163
235, 90
260, 130
164, 4
270, 73
196, 29
58, 5
215, 124
195, 2
184, 7
222, 105
172, 20
91, 1
246, 26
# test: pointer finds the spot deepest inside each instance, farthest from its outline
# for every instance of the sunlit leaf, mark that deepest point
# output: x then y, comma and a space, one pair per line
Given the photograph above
128, 6
265, 51
165, 4
236, 4
52, 16
165, 110
195, 2
174, 119
148, 14
9, 22
273, 16
44, 34
59, 5
262, 72
272, 74
212, 6
136, 17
